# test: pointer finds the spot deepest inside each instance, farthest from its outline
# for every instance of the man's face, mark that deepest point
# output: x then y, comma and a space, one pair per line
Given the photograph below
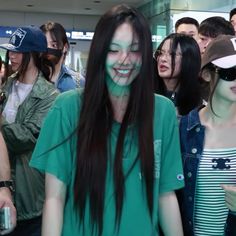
189, 29
203, 41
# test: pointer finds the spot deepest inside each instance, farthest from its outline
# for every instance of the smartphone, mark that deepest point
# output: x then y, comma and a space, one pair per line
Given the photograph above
5, 218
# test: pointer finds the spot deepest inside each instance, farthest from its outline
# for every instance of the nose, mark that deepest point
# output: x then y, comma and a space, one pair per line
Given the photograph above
164, 55
124, 58
12, 54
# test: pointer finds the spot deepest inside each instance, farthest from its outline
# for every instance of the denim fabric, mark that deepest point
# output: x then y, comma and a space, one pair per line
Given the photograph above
69, 79
192, 140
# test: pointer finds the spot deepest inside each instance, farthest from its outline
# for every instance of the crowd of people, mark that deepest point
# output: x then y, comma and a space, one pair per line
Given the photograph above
144, 144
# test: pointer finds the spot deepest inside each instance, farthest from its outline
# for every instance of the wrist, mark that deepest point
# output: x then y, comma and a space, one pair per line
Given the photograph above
7, 184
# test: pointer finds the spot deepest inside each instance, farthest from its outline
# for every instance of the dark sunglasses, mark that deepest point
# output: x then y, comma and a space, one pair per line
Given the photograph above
227, 74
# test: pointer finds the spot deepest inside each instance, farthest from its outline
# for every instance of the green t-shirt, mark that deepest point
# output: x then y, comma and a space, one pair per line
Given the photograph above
60, 161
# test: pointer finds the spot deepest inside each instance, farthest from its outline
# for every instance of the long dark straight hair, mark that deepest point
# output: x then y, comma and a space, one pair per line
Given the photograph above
96, 120
189, 95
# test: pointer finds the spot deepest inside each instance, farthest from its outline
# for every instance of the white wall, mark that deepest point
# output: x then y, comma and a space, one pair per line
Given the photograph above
79, 48
77, 22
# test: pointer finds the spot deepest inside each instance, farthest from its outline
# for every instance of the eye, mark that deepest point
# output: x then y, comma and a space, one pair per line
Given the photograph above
113, 50
54, 45
159, 52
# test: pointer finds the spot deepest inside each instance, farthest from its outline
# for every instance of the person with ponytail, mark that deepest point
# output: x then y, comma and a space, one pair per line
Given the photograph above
112, 159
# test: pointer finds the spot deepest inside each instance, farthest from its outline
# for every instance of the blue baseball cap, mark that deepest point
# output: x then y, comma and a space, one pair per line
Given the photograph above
27, 39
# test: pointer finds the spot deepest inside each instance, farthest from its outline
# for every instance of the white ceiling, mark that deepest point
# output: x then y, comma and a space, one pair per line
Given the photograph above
80, 7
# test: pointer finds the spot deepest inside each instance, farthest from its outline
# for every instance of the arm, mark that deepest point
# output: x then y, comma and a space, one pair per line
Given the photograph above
21, 137
5, 194
169, 215
5, 171
53, 206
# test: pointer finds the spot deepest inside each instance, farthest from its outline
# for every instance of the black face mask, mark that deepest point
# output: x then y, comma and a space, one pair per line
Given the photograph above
227, 74
54, 52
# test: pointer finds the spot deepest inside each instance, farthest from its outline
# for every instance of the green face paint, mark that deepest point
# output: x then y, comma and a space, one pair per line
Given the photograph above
116, 89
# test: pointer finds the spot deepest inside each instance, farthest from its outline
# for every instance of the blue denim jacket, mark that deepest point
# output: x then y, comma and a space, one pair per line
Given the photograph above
69, 79
192, 140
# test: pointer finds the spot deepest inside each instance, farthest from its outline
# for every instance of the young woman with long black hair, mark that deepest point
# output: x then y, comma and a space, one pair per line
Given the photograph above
177, 62
113, 161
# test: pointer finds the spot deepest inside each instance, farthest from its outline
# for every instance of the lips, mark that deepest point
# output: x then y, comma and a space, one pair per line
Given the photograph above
233, 89
163, 68
123, 72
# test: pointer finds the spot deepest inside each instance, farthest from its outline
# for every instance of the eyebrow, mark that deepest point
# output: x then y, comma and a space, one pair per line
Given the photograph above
188, 31
117, 44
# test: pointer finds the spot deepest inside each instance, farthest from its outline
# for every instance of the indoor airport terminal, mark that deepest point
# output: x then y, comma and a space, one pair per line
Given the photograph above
79, 18
118, 118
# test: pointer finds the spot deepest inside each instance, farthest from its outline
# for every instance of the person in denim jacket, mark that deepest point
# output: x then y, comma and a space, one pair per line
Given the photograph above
63, 77
208, 145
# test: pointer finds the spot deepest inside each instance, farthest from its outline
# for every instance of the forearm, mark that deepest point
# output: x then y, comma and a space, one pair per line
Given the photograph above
169, 215
20, 138
5, 171
53, 207
52, 217
21, 135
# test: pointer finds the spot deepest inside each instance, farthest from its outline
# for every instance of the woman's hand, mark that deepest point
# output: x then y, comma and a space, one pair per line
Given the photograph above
230, 197
6, 201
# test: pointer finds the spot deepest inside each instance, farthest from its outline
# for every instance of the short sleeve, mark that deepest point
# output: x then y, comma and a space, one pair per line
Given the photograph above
56, 146
171, 170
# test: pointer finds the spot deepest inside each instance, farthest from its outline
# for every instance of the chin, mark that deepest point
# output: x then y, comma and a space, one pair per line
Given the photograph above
164, 75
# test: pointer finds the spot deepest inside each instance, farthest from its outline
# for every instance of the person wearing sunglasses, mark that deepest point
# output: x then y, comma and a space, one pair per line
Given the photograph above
208, 145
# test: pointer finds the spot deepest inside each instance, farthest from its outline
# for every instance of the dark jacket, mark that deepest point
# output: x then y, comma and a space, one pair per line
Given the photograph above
21, 137
192, 135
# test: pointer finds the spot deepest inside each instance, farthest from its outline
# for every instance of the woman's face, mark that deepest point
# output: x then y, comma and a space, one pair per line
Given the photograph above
123, 60
164, 60
226, 90
15, 59
53, 44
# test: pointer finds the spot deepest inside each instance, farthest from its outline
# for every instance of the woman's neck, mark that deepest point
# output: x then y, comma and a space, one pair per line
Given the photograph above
30, 75
57, 71
221, 115
171, 84
119, 96
119, 105
115, 89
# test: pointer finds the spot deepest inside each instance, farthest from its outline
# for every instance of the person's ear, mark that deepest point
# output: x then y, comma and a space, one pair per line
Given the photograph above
206, 75
65, 49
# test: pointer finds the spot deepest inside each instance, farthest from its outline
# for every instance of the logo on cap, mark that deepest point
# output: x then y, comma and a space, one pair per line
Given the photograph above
17, 37
233, 40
